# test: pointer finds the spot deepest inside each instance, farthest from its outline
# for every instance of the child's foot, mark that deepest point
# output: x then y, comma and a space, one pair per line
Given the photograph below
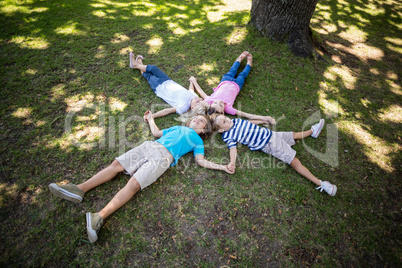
94, 223
242, 56
328, 187
139, 59
132, 61
317, 128
250, 59
68, 192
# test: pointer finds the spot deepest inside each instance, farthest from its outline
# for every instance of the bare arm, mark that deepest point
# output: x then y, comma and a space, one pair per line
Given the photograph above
154, 128
191, 86
164, 112
193, 80
233, 156
264, 119
210, 165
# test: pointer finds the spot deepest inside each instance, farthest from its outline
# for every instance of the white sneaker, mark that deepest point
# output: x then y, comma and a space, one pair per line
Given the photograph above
317, 128
328, 187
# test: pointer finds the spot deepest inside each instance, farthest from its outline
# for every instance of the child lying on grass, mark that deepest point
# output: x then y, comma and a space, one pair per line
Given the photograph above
145, 164
277, 144
222, 100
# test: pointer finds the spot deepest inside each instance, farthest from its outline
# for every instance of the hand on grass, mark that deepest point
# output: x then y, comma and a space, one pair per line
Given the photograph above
147, 116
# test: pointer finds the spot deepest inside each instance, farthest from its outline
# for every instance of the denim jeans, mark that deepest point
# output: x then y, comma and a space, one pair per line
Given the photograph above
230, 76
155, 76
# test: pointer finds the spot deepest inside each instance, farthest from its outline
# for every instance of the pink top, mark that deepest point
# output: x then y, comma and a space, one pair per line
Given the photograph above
227, 92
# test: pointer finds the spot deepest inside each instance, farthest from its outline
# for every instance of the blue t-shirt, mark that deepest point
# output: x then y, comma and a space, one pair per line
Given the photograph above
247, 133
180, 140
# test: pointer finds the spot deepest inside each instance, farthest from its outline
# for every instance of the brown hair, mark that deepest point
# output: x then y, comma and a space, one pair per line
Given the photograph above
214, 125
207, 128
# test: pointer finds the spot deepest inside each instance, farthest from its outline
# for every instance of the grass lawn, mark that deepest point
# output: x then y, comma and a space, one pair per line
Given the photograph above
70, 104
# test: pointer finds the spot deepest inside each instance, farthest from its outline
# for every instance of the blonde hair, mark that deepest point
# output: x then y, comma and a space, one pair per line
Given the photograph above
200, 109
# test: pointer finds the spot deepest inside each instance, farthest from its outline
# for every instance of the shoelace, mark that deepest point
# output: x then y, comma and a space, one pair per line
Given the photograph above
322, 186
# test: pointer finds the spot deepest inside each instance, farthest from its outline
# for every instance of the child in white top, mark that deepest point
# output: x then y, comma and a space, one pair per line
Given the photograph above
181, 99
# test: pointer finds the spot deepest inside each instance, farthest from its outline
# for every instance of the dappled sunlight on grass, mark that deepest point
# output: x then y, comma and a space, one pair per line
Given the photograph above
7, 191
30, 42
392, 114
219, 13
237, 36
31, 71
116, 105
176, 29
361, 47
70, 28
155, 44
22, 112
376, 149
119, 38
10, 9
71, 104
343, 72
99, 13
58, 91
78, 102
329, 106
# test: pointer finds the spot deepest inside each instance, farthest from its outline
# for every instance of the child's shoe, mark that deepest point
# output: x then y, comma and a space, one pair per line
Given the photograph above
68, 192
94, 223
328, 187
317, 128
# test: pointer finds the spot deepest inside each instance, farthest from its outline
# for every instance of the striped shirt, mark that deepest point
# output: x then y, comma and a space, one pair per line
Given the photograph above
246, 133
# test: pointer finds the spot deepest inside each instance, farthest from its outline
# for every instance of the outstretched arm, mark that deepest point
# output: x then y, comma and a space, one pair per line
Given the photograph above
233, 156
154, 128
211, 165
264, 119
164, 112
193, 80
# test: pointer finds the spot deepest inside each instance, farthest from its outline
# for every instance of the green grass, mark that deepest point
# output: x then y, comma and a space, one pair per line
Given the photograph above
64, 60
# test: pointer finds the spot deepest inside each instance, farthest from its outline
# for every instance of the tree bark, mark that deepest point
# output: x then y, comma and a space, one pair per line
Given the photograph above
286, 20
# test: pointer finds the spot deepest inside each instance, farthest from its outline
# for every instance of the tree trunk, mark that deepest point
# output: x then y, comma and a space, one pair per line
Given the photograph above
286, 20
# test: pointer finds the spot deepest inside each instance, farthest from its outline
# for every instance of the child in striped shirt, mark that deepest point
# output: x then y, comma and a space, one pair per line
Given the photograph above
277, 144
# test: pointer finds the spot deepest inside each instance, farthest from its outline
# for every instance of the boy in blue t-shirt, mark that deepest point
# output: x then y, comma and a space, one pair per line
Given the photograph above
145, 164
277, 144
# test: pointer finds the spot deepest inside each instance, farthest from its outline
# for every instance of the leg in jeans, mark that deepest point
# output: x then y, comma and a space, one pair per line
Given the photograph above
230, 76
155, 76
242, 76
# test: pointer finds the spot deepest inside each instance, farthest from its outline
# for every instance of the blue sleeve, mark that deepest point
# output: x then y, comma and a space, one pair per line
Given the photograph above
164, 131
199, 147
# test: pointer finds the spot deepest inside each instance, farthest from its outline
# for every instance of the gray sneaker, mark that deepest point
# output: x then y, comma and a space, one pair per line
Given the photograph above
328, 187
317, 128
69, 192
94, 223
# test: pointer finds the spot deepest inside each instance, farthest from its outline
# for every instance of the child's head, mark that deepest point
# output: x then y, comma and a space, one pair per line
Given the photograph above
201, 124
220, 122
196, 102
217, 106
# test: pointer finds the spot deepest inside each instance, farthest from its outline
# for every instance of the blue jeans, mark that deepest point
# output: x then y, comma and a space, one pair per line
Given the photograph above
230, 76
155, 76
